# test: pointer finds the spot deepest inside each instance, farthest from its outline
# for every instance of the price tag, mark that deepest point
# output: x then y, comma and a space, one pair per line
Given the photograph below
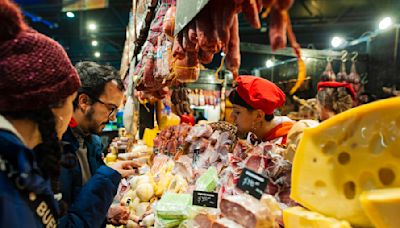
205, 199
252, 183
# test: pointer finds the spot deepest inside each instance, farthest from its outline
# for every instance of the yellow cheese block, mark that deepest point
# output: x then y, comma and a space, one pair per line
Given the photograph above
382, 207
298, 217
355, 151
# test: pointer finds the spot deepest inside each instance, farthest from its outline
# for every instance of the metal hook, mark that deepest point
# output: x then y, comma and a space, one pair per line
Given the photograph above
329, 59
344, 55
355, 55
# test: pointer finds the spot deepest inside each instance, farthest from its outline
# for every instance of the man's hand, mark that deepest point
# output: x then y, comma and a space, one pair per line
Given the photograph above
118, 215
126, 168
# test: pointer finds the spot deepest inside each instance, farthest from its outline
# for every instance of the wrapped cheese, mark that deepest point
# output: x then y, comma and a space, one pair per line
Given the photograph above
208, 181
174, 206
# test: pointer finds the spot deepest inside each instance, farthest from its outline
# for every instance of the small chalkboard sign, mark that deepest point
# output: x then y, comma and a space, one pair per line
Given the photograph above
205, 199
252, 183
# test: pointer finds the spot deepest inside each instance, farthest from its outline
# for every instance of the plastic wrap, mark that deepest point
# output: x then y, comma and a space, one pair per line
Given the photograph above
208, 181
199, 131
246, 211
174, 206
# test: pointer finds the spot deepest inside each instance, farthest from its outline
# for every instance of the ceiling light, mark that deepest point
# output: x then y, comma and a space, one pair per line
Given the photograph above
92, 26
269, 63
70, 14
94, 43
385, 23
337, 41
97, 54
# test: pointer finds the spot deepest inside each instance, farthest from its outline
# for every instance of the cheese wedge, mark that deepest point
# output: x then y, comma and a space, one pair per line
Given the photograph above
296, 217
382, 207
355, 151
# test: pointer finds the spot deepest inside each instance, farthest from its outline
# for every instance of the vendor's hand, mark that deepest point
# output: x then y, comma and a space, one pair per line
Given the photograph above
125, 168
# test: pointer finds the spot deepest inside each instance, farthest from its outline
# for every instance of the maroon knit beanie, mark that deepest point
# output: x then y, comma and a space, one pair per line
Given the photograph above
35, 71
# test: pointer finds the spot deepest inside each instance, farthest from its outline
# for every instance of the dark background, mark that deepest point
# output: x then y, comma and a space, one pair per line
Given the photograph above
315, 22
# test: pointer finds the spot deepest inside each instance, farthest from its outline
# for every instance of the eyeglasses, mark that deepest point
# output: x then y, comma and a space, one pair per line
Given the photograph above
111, 107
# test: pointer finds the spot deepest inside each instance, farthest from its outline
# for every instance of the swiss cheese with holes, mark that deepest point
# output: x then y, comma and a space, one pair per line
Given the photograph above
355, 151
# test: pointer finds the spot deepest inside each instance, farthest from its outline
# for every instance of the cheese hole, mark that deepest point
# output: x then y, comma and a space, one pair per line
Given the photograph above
344, 158
386, 176
314, 160
321, 187
377, 144
349, 189
329, 148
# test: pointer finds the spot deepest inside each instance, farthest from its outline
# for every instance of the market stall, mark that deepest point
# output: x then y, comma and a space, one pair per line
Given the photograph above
204, 175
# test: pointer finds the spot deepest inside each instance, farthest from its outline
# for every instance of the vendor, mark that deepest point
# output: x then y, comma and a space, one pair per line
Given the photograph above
334, 98
254, 102
187, 118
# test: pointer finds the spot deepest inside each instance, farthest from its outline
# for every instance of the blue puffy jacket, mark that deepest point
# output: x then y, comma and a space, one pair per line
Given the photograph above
71, 179
88, 210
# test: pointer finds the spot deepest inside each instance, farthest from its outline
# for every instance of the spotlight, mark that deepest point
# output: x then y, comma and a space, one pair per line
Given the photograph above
337, 41
385, 23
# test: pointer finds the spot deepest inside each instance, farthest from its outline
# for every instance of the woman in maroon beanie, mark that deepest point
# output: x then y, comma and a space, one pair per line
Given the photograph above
37, 87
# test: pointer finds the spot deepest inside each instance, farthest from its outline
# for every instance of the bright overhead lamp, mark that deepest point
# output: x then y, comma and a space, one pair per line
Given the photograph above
385, 23
97, 54
92, 26
269, 63
94, 43
70, 14
337, 41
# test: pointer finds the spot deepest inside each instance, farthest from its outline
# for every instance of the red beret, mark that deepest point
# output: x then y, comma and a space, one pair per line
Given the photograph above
348, 86
260, 93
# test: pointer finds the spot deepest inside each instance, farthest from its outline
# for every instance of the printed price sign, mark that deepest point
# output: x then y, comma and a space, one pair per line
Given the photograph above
205, 199
252, 183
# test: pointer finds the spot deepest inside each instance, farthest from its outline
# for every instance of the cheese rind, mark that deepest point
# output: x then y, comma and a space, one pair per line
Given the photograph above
382, 207
352, 152
295, 217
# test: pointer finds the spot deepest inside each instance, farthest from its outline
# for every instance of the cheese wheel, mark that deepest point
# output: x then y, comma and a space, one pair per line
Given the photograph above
355, 151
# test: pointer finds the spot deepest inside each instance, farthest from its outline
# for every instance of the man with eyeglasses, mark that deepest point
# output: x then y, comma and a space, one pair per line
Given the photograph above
97, 103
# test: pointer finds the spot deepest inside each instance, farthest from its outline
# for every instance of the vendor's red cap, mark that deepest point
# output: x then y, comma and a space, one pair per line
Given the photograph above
260, 93
348, 86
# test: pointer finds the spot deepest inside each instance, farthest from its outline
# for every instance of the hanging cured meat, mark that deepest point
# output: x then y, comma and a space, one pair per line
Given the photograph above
328, 74
215, 28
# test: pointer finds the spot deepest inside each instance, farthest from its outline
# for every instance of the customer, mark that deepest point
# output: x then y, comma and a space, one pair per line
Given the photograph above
37, 87
99, 97
334, 98
254, 101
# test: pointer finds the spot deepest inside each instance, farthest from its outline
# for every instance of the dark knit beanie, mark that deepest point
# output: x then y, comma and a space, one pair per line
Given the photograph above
35, 71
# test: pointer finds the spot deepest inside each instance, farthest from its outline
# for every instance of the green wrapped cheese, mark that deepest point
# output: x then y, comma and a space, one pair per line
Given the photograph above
168, 223
174, 206
208, 181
